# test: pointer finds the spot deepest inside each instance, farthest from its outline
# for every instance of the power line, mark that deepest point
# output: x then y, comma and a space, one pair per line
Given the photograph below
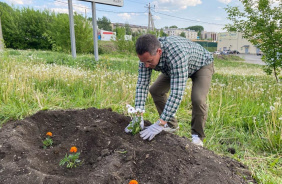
135, 2
84, 7
189, 19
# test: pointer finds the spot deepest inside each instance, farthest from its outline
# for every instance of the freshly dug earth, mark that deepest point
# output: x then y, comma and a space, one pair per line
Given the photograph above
109, 155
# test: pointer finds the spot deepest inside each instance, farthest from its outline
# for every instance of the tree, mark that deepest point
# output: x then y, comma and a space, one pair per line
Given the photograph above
104, 23
162, 33
196, 28
183, 34
173, 26
9, 21
127, 29
260, 24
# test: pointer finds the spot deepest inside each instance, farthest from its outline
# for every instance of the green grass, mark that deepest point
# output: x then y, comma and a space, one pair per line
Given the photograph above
244, 103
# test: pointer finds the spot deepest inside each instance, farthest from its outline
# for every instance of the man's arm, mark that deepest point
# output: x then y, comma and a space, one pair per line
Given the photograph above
179, 76
142, 86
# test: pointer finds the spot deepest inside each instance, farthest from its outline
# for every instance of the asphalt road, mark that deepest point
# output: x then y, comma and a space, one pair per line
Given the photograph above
251, 58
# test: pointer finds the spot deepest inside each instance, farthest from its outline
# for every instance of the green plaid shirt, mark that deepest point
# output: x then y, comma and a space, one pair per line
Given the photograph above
180, 59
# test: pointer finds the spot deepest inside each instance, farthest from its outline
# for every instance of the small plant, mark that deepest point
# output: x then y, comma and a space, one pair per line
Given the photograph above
137, 122
72, 160
48, 141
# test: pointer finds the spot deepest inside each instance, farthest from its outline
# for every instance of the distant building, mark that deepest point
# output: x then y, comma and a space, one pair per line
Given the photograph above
134, 28
106, 35
189, 34
209, 35
235, 41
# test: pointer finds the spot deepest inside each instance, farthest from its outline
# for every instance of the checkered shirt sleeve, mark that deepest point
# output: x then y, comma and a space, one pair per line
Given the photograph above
142, 87
178, 80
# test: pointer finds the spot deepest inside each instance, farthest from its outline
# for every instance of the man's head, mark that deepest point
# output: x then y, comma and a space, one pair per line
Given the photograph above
148, 49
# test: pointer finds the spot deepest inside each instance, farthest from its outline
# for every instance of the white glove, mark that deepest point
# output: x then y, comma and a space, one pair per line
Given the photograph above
151, 131
129, 127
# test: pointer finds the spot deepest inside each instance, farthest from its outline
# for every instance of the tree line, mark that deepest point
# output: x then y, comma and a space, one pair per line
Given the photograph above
27, 28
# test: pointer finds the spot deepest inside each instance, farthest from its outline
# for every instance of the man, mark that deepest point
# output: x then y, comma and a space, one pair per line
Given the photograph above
177, 59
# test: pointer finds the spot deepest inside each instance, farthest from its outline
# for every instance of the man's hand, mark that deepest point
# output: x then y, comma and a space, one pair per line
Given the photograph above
151, 131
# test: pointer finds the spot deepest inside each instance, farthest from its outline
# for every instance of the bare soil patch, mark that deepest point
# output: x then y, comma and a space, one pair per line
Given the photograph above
109, 155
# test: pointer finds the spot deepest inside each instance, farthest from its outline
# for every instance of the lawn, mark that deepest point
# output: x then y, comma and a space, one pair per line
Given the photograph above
245, 114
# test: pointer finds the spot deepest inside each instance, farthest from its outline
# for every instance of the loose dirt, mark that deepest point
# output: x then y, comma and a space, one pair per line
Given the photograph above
109, 155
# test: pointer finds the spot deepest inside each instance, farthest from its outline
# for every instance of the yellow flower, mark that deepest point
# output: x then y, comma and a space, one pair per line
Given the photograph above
73, 149
133, 182
49, 133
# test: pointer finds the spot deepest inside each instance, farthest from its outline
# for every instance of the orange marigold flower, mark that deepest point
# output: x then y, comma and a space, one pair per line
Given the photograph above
73, 149
133, 182
49, 133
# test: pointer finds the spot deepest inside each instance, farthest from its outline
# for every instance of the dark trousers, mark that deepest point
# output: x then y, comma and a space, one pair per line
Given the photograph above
201, 81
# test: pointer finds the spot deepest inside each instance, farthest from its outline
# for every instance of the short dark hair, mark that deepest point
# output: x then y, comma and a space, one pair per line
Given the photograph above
147, 43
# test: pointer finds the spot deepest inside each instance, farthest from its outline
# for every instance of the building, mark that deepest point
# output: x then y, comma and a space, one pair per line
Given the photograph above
134, 28
209, 36
235, 41
106, 35
189, 34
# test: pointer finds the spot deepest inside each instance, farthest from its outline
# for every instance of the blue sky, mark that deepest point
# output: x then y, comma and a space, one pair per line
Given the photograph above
182, 13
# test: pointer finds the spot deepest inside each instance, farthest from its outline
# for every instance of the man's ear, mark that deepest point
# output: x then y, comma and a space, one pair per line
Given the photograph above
159, 51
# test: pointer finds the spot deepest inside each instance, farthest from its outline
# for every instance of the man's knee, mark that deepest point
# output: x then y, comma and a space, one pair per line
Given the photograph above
199, 105
154, 92
198, 101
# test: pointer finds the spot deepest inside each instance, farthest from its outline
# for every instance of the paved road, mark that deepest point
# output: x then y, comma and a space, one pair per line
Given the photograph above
251, 58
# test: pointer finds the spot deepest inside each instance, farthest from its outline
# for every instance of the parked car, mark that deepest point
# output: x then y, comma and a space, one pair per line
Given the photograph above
234, 52
216, 53
225, 52
259, 53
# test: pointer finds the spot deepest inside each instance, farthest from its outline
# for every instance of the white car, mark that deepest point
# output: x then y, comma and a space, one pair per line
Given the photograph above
216, 53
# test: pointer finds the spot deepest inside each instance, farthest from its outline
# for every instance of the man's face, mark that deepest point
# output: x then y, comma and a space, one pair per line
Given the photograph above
149, 60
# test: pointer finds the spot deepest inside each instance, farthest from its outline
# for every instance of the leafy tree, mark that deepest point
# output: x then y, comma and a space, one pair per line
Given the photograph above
162, 33
173, 26
104, 23
120, 32
1, 35
33, 24
24, 28
260, 23
183, 34
58, 33
127, 29
83, 34
9, 20
197, 28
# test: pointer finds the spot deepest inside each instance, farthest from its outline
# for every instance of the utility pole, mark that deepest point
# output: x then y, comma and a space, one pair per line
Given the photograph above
150, 19
72, 34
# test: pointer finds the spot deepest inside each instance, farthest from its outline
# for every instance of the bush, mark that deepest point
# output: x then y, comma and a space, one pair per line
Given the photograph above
106, 47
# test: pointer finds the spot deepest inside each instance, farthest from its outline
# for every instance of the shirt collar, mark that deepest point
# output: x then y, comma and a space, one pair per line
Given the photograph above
162, 60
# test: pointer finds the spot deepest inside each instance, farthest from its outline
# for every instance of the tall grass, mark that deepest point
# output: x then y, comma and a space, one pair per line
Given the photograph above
245, 111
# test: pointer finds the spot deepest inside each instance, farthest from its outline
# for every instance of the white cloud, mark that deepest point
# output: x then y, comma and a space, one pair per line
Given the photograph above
20, 1
61, 7
156, 17
127, 16
225, 1
218, 18
60, 10
165, 5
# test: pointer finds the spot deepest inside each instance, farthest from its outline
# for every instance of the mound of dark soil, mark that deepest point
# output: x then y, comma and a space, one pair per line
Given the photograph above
109, 155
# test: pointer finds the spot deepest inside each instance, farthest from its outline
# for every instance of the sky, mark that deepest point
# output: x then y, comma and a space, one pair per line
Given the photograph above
183, 13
